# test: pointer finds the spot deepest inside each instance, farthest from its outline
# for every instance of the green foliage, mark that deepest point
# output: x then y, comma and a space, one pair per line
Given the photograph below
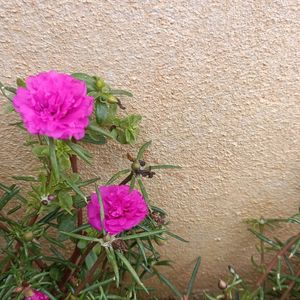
45, 216
277, 267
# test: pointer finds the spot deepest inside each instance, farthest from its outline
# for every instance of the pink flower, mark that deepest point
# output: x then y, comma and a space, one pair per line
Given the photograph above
54, 104
122, 209
36, 295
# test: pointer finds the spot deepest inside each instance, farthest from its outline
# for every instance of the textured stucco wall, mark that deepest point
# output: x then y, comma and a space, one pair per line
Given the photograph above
218, 85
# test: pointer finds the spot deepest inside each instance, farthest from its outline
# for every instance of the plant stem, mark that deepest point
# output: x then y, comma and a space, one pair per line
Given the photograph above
127, 179
275, 258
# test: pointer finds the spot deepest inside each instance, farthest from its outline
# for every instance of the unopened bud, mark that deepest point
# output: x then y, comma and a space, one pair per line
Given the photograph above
112, 99
222, 284
119, 245
28, 236
135, 166
100, 84
51, 197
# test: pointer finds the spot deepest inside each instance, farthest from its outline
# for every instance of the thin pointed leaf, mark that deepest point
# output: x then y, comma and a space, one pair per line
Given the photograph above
53, 159
117, 175
193, 277
131, 270
154, 167
142, 150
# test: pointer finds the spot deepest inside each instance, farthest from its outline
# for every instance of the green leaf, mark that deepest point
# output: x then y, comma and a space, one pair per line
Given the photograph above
132, 182
81, 152
142, 234
98, 129
143, 190
102, 216
193, 277
97, 285
121, 93
154, 167
89, 80
53, 158
117, 175
66, 224
93, 137
21, 82
101, 112
113, 261
65, 200
12, 192
142, 150
81, 237
131, 270
177, 237
26, 178
172, 287
90, 260
74, 187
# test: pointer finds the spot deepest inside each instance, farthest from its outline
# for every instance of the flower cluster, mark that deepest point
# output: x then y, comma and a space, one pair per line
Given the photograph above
54, 104
123, 209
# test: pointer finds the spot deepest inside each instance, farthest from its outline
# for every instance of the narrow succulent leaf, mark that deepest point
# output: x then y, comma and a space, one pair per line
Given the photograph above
155, 167
117, 175
132, 182
74, 187
131, 270
177, 237
26, 178
82, 153
143, 191
193, 277
113, 261
121, 93
98, 129
81, 237
168, 283
142, 150
142, 235
97, 285
53, 159
102, 215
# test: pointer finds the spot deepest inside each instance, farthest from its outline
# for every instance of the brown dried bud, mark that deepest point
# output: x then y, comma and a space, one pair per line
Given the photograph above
130, 157
119, 245
222, 284
158, 218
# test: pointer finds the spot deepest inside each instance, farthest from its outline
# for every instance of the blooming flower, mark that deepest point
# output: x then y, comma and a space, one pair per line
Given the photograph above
35, 295
122, 209
54, 104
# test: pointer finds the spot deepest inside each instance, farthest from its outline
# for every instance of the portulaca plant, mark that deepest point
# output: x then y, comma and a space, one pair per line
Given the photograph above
113, 227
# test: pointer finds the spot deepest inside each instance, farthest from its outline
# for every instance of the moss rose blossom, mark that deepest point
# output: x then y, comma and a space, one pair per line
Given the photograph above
54, 104
122, 209
36, 295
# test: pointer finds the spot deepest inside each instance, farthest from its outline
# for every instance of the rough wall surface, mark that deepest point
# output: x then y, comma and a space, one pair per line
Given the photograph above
218, 85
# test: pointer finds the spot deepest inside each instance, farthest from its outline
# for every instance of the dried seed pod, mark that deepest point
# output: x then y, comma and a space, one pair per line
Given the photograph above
119, 245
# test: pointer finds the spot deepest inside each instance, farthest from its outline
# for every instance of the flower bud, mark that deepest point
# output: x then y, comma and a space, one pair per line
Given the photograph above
100, 84
135, 166
112, 99
222, 284
28, 236
51, 197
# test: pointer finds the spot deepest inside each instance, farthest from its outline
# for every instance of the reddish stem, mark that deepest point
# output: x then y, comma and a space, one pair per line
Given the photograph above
275, 258
291, 285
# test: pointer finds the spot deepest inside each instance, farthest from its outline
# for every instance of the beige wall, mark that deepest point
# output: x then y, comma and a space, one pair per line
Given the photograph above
218, 85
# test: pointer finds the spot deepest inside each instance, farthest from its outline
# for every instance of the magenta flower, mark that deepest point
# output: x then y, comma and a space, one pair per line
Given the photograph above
122, 209
36, 295
54, 104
